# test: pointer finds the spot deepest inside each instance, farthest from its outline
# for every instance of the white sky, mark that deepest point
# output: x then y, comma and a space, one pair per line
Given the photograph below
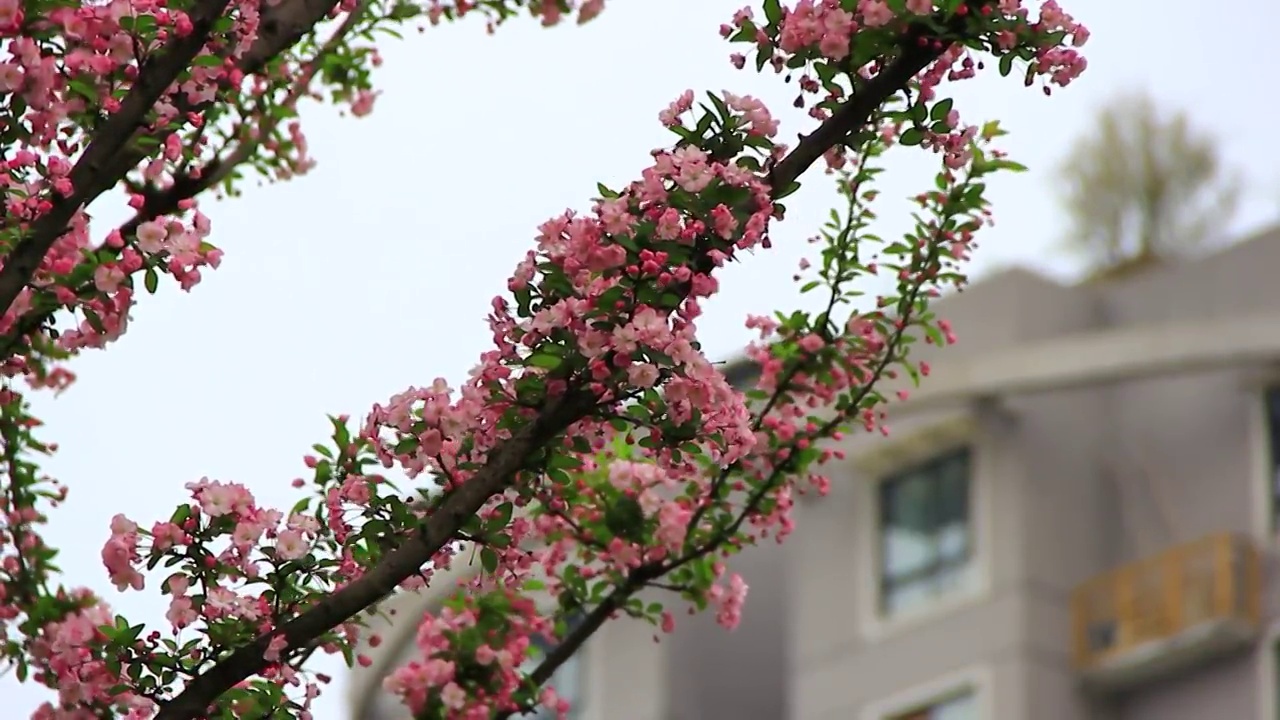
375, 271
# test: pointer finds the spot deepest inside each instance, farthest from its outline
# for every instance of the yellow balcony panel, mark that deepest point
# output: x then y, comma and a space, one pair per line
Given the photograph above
1152, 618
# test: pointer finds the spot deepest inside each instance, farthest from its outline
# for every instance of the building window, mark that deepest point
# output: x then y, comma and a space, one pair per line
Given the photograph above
925, 534
567, 680
1272, 400
958, 707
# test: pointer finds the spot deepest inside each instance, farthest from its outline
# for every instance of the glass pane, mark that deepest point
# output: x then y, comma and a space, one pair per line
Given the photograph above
925, 538
953, 543
905, 597
953, 490
907, 502
906, 552
952, 578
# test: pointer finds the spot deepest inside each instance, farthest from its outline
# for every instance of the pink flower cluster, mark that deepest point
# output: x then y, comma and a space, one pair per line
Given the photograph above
64, 651
499, 650
627, 456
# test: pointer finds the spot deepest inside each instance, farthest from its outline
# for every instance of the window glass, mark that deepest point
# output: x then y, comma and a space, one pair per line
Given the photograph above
926, 540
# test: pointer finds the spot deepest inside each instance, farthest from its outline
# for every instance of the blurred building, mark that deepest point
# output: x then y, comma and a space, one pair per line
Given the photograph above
1073, 519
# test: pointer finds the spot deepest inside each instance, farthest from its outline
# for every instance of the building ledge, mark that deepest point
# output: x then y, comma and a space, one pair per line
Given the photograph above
1097, 358
1155, 659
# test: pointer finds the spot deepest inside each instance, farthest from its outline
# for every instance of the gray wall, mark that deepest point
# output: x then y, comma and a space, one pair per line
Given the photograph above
1082, 480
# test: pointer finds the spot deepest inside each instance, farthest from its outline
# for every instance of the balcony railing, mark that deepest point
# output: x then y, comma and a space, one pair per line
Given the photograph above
1185, 604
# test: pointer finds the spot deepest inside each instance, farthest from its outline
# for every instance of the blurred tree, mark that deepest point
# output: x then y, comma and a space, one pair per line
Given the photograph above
1144, 185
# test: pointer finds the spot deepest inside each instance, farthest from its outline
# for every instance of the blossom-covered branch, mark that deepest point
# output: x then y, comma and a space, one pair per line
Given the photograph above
101, 165
595, 451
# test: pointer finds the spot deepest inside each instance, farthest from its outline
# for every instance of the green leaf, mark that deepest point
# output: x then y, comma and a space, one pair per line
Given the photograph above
911, 136
404, 11
152, 280
941, 110
625, 519
499, 519
83, 88
773, 11
1008, 165
788, 190
722, 110
563, 461
544, 360
573, 580
95, 322
1006, 64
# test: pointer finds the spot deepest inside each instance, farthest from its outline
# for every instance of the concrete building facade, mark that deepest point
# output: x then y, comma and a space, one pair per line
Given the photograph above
1074, 518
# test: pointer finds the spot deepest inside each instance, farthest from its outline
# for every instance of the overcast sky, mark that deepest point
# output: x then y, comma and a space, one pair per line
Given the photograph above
375, 271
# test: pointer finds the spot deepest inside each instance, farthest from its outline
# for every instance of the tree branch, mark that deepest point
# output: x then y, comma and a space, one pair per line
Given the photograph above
849, 117
280, 28
108, 157
440, 527
583, 630
94, 173
854, 113
511, 456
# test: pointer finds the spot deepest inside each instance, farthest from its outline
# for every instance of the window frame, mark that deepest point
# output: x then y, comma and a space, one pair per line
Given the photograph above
933, 469
977, 427
974, 680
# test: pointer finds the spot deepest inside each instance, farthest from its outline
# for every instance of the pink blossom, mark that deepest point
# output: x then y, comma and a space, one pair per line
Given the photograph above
875, 13
291, 545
